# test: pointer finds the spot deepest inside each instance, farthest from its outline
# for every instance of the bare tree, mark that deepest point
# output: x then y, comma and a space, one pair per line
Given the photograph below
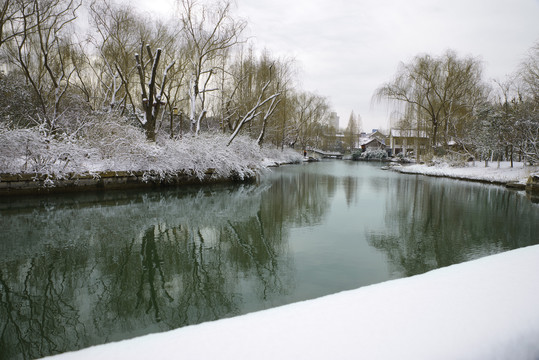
527, 107
41, 48
116, 35
208, 33
126, 65
13, 15
173, 93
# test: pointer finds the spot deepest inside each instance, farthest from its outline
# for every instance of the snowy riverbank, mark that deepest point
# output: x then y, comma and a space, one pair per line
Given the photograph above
477, 171
483, 309
32, 162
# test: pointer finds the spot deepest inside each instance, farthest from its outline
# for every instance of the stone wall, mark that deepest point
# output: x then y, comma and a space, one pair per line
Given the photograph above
31, 183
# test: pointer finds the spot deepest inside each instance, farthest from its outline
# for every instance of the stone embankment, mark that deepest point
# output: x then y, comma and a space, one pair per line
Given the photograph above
532, 187
32, 183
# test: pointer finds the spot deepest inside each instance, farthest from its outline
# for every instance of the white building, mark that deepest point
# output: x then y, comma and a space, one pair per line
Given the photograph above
404, 140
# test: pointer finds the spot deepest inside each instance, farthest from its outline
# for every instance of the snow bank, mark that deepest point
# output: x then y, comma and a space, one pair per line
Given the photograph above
494, 174
483, 309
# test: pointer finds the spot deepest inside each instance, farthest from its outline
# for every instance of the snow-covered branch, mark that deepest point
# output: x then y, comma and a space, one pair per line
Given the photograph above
251, 114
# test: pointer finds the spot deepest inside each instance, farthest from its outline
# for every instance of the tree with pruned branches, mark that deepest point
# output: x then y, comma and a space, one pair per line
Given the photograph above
151, 93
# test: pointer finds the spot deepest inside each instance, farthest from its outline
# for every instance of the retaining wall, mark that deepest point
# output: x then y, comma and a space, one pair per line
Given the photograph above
32, 183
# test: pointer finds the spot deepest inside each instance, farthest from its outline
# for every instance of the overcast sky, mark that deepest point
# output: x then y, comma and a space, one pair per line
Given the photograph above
345, 49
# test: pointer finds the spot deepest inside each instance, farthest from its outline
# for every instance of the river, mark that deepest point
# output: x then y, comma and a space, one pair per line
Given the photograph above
91, 268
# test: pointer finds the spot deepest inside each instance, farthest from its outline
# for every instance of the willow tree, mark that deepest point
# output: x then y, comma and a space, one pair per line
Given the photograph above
308, 120
253, 95
443, 92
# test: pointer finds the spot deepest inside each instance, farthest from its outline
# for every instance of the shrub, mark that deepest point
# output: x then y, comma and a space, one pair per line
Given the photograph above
377, 154
356, 155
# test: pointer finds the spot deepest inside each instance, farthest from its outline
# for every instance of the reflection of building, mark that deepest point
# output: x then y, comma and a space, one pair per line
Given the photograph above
404, 140
334, 121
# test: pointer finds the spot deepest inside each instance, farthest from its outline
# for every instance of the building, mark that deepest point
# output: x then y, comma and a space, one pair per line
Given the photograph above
373, 141
334, 121
405, 140
370, 144
378, 135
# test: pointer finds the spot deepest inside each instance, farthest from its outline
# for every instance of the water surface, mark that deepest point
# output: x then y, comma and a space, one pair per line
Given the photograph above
80, 270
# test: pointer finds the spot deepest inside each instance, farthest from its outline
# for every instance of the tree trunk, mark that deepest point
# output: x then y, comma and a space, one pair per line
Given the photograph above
434, 132
511, 152
151, 100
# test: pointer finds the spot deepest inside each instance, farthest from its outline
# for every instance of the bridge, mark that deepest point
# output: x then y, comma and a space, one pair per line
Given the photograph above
327, 154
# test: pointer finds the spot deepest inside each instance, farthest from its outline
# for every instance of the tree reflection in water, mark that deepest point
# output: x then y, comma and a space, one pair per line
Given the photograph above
431, 223
84, 270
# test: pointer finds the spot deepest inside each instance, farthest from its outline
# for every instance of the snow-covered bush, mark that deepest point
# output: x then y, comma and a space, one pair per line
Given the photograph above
356, 155
284, 156
31, 151
209, 151
450, 160
377, 154
108, 143
117, 144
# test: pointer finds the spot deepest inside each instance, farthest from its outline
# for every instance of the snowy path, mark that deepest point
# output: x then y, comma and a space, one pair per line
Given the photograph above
483, 309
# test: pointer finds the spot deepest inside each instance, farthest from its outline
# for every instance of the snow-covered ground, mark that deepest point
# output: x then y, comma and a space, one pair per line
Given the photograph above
483, 309
475, 171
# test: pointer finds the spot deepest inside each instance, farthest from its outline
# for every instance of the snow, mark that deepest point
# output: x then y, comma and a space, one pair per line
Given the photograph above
475, 171
115, 146
483, 309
